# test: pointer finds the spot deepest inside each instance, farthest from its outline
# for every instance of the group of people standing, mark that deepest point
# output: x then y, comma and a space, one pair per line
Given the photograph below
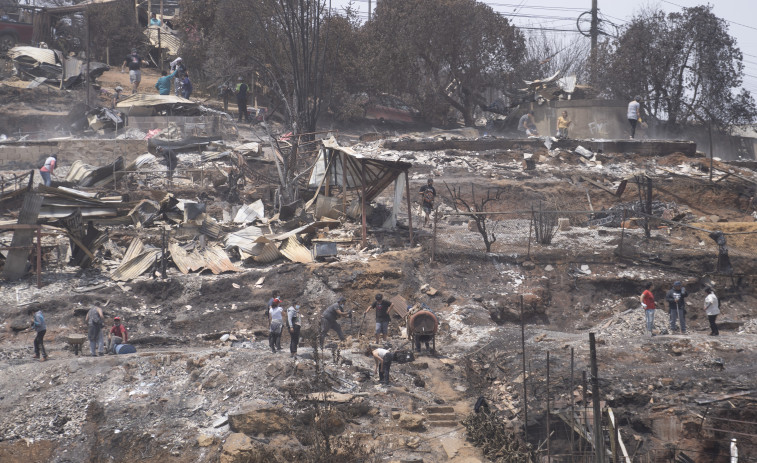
276, 324
179, 74
676, 299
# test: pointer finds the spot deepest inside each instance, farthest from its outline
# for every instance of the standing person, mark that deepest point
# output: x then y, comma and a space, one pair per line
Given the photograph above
276, 294
647, 303
527, 124
41, 328
634, 113
329, 319
164, 83
382, 316
293, 320
242, 89
562, 125
95, 332
48, 169
428, 194
117, 335
383, 358
276, 324
676, 298
178, 67
134, 61
712, 309
186, 86
154, 21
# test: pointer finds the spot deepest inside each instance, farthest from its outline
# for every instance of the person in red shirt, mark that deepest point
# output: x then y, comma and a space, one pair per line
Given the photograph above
647, 303
117, 335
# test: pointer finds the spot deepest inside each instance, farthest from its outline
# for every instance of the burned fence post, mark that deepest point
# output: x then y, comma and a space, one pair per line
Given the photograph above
549, 453
163, 258
572, 405
525, 392
598, 437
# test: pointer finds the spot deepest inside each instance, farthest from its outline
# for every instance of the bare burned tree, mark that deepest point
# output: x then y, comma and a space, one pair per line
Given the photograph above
477, 205
295, 57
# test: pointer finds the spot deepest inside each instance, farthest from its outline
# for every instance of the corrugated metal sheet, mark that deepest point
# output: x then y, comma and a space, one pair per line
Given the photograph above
250, 212
212, 229
295, 251
266, 253
399, 305
151, 99
135, 248
15, 263
186, 261
136, 266
244, 239
166, 40
41, 55
217, 261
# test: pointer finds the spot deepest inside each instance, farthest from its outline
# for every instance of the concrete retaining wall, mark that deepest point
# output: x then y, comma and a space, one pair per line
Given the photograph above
32, 154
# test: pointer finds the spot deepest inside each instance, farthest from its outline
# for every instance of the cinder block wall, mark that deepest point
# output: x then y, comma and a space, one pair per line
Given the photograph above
32, 154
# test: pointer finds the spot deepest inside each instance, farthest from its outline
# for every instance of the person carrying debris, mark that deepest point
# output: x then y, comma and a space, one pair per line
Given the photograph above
712, 309
164, 83
329, 319
177, 66
242, 89
95, 332
383, 359
562, 125
647, 303
676, 298
134, 61
428, 194
276, 324
117, 335
48, 169
527, 124
382, 316
293, 321
39, 325
634, 114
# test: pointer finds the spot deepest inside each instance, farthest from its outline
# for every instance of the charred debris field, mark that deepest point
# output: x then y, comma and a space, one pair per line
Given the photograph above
186, 238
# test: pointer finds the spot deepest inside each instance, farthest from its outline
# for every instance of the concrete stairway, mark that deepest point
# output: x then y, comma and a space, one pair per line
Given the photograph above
441, 417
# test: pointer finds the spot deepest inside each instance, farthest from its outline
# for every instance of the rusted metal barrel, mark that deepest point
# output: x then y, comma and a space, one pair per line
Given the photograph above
423, 322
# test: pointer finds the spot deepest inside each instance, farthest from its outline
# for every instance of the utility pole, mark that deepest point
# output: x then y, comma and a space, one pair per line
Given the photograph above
369, 10
594, 35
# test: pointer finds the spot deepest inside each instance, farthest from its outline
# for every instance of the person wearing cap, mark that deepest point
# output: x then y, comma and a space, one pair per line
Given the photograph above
241, 92
676, 298
294, 323
428, 194
134, 61
48, 169
634, 114
329, 319
382, 316
712, 309
117, 335
275, 323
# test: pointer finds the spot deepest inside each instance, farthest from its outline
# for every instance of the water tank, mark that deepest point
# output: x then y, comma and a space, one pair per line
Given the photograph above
423, 322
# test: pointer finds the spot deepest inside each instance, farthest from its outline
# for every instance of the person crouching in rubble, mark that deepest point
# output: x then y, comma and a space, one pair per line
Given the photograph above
528, 125
383, 359
382, 316
329, 319
117, 335
293, 320
276, 324
647, 303
676, 298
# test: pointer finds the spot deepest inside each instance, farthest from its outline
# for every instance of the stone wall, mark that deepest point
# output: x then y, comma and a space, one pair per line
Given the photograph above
32, 154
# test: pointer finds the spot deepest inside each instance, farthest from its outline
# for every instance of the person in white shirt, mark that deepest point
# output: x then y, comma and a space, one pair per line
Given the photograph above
712, 309
634, 113
276, 320
293, 321
383, 358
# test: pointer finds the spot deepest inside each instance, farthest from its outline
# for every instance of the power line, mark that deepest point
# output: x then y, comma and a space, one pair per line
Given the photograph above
726, 20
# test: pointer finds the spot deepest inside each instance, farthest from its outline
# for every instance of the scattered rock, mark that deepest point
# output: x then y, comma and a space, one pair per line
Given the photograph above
259, 417
203, 440
528, 265
412, 422
238, 448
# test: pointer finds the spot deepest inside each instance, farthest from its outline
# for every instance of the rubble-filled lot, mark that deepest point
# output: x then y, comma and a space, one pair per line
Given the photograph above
204, 386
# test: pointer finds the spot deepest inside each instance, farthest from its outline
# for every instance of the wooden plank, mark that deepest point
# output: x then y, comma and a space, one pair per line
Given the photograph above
722, 397
598, 185
15, 263
620, 438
